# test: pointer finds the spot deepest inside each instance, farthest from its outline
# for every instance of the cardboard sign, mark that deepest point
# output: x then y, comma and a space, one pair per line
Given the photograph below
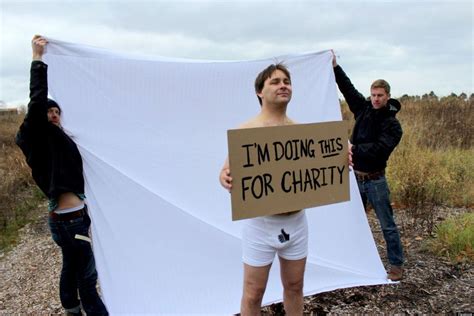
287, 168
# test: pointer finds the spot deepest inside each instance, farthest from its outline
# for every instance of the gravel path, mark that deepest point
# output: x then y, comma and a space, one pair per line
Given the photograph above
30, 272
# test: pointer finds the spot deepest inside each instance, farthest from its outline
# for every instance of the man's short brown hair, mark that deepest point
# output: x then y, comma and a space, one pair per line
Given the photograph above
380, 83
267, 73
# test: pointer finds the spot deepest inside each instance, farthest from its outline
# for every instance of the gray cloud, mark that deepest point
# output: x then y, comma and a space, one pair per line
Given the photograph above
427, 40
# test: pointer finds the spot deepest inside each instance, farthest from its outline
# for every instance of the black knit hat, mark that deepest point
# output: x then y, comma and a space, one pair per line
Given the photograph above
53, 104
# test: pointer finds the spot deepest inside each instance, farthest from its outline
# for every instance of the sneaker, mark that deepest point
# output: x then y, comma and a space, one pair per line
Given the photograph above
395, 273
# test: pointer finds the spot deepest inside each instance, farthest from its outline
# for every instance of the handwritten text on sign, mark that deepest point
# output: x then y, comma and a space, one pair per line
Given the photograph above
287, 168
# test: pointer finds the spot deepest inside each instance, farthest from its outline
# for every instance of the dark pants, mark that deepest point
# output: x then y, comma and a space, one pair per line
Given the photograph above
377, 193
78, 272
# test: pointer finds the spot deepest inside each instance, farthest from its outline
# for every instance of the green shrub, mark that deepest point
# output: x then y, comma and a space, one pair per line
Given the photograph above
454, 239
24, 212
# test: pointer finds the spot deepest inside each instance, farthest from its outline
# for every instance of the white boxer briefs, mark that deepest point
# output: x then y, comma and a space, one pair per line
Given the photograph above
264, 236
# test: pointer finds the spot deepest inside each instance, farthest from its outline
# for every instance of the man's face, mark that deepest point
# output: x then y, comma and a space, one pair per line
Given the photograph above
276, 89
54, 116
379, 97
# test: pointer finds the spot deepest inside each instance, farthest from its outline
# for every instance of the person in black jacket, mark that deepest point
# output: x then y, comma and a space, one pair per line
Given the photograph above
56, 166
375, 135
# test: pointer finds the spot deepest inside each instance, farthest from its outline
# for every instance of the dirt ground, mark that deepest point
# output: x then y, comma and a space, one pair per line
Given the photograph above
30, 272
431, 285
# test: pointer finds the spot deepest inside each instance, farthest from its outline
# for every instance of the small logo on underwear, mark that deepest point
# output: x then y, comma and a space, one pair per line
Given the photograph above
283, 237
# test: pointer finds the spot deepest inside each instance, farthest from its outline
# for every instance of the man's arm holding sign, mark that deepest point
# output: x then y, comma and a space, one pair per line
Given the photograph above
224, 176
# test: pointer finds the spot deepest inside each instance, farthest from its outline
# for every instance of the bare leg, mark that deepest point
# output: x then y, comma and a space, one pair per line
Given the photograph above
255, 282
292, 277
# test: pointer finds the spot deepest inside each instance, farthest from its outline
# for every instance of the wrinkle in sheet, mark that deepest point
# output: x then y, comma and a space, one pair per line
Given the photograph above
163, 237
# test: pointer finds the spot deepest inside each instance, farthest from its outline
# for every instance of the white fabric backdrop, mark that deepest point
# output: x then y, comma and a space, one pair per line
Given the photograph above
152, 134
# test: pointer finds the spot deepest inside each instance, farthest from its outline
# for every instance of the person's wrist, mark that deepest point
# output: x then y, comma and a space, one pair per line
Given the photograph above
37, 57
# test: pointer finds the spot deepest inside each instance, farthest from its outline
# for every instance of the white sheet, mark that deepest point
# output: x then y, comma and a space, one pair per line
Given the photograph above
152, 134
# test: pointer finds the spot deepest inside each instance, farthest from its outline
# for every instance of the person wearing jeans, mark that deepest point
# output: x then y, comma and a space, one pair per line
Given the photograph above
375, 135
377, 193
78, 270
56, 167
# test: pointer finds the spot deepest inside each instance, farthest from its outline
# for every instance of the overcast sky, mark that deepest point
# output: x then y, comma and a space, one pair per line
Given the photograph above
418, 46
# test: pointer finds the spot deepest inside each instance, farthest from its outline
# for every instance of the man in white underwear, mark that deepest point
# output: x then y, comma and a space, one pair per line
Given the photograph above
285, 234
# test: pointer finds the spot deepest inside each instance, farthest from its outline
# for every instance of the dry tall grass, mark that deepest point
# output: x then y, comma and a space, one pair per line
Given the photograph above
442, 124
433, 166
18, 195
14, 171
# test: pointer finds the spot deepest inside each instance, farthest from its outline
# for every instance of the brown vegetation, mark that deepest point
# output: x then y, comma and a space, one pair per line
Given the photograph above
18, 195
433, 166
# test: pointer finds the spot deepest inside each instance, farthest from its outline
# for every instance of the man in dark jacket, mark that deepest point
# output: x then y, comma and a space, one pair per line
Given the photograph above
56, 166
375, 135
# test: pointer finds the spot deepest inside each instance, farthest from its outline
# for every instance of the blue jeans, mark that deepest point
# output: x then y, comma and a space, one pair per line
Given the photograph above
377, 193
78, 272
